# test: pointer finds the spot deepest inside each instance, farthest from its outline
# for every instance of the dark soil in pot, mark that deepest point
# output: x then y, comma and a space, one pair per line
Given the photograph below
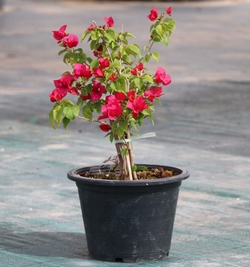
143, 173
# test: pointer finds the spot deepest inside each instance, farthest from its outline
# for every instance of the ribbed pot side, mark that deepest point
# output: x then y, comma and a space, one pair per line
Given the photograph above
128, 221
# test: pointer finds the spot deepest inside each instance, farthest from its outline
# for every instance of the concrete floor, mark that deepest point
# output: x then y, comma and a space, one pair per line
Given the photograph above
202, 125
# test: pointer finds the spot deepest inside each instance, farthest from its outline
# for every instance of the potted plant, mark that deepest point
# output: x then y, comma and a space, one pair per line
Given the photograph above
128, 209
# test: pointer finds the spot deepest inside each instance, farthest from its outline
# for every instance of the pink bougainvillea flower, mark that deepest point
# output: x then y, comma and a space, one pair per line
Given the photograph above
169, 10
153, 14
153, 93
134, 71
85, 97
82, 70
63, 86
131, 95
98, 73
111, 109
112, 77
137, 105
64, 82
162, 77
91, 27
97, 91
140, 66
109, 21
100, 48
60, 34
73, 91
103, 63
120, 96
105, 127
96, 53
71, 41
58, 94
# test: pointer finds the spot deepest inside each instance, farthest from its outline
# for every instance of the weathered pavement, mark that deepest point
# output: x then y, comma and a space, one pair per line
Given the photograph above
203, 125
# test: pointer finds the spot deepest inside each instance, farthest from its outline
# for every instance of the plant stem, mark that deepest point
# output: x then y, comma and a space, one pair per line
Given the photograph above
128, 159
131, 156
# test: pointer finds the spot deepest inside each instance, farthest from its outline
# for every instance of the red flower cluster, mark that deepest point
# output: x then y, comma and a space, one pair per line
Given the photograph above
137, 105
82, 71
109, 21
154, 13
139, 67
111, 109
62, 37
63, 86
162, 77
90, 83
115, 104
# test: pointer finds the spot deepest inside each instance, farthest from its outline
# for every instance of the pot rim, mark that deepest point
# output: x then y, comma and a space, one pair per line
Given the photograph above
182, 175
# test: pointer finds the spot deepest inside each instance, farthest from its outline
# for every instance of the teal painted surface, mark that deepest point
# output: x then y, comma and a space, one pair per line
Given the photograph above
202, 125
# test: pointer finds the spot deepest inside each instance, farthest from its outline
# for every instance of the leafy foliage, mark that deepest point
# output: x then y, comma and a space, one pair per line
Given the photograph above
113, 87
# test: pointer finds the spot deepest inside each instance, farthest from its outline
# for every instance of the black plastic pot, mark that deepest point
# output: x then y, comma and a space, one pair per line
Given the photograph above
128, 221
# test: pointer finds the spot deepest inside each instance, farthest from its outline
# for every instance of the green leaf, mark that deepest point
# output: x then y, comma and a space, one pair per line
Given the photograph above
116, 64
86, 112
122, 84
152, 27
127, 34
113, 46
158, 100
123, 38
89, 59
156, 36
146, 112
133, 50
147, 57
51, 119
134, 168
67, 102
113, 86
126, 59
62, 51
86, 33
160, 30
110, 34
97, 106
141, 168
66, 58
148, 78
119, 85
80, 57
170, 25
71, 112
156, 56
138, 82
57, 114
66, 122
79, 102
94, 64
165, 40
94, 35
132, 123
140, 119
123, 125
111, 137
65, 73
119, 132
93, 44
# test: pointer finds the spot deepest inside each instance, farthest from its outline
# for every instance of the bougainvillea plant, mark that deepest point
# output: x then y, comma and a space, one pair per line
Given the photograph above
112, 87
